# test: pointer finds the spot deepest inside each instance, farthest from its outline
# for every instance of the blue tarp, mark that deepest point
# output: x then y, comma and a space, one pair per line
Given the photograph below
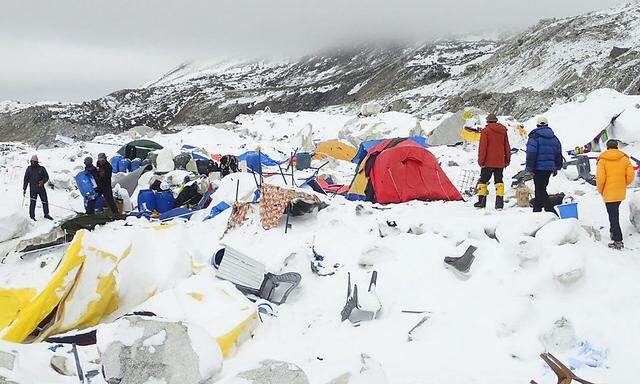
366, 146
255, 158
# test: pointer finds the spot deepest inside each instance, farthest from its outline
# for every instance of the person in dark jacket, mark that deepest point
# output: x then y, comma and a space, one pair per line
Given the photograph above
89, 167
544, 159
36, 177
104, 182
494, 155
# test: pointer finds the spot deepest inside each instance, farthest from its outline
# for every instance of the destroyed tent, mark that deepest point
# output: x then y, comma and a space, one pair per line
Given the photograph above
451, 131
336, 149
104, 276
138, 149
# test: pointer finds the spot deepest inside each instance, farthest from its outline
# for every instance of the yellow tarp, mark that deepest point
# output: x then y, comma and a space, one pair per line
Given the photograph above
29, 313
359, 183
470, 135
335, 149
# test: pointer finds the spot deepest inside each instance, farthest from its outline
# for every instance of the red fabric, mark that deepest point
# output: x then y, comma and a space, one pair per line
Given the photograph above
495, 151
410, 172
333, 188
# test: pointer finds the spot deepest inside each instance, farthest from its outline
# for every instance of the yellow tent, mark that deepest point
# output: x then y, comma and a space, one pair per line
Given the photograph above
107, 273
335, 149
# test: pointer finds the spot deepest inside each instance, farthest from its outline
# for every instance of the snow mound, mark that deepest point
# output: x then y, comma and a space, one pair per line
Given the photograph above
561, 232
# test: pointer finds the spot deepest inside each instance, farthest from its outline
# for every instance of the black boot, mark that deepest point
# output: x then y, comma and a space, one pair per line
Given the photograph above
482, 202
499, 202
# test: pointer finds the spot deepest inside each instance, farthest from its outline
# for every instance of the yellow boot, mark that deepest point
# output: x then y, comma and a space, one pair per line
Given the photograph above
499, 195
483, 190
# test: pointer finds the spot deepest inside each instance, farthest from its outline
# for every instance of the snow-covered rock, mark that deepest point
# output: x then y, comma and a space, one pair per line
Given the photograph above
371, 372
370, 109
7, 360
511, 228
561, 232
13, 223
138, 349
526, 249
567, 267
560, 337
634, 207
272, 372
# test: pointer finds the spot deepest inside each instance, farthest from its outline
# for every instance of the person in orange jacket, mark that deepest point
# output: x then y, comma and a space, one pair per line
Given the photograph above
614, 174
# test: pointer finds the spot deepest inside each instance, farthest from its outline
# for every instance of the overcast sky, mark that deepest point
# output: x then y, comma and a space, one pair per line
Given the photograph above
74, 50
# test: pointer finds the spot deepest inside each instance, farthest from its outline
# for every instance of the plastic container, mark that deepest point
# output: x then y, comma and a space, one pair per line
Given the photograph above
115, 163
147, 200
568, 211
165, 201
135, 164
86, 184
303, 161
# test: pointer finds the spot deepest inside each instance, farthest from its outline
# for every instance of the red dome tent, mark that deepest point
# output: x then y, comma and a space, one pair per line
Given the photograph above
401, 170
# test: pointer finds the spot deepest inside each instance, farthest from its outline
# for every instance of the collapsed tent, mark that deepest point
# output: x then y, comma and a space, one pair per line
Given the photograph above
400, 170
129, 181
366, 146
255, 160
451, 131
138, 149
336, 149
103, 276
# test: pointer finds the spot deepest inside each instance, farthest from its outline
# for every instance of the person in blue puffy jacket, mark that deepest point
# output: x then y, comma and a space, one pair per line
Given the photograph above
544, 159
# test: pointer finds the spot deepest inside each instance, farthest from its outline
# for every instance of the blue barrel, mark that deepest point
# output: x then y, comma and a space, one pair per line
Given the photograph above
135, 164
99, 203
124, 165
86, 184
165, 201
115, 163
303, 161
568, 211
146, 200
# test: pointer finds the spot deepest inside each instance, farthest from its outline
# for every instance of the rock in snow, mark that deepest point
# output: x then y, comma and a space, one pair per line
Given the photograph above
634, 207
272, 372
138, 349
561, 232
370, 109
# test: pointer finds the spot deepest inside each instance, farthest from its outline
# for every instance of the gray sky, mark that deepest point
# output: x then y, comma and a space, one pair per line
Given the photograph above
73, 50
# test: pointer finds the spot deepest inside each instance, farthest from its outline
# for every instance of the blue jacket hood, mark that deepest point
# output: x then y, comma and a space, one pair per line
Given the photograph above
543, 131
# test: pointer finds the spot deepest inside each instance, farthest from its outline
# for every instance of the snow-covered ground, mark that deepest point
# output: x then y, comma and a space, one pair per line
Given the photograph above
536, 284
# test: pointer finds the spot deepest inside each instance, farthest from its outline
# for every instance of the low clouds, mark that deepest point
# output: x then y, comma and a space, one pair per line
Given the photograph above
71, 50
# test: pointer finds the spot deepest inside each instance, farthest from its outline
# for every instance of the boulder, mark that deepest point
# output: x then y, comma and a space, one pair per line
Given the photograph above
561, 232
7, 360
561, 337
370, 109
568, 267
139, 349
272, 372
526, 224
634, 207
13, 223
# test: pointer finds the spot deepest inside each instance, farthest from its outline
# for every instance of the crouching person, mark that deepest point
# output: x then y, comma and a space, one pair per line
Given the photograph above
613, 175
494, 155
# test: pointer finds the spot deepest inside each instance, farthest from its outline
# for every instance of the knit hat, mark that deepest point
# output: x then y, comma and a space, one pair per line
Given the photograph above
492, 118
34, 158
102, 156
88, 160
542, 121
612, 144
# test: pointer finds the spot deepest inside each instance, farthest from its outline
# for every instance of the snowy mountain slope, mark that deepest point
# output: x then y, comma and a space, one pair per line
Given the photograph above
520, 76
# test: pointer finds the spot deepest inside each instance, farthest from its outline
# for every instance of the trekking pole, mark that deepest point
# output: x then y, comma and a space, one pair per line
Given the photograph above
74, 348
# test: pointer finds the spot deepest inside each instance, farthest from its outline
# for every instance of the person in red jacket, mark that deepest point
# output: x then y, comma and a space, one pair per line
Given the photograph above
494, 155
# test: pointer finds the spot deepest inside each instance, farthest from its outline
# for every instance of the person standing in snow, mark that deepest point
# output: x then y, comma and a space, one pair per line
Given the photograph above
613, 175
494, 155
93, 171
544, 159
36, 177
104, 182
